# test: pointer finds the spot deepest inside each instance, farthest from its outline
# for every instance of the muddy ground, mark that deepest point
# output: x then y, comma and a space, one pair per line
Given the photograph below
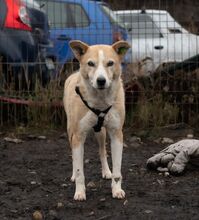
35, 175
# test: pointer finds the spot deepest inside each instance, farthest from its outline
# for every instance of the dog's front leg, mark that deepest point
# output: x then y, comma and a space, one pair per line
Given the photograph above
116, 151
101, 139
78, 169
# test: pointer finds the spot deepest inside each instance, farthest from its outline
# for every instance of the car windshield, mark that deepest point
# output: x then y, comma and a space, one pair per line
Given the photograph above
140, 25
113, 18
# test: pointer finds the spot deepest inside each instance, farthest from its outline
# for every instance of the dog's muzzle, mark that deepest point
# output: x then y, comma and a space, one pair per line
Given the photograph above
101, 82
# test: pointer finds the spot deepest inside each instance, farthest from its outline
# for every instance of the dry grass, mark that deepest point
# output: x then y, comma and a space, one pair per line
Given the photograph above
150, 102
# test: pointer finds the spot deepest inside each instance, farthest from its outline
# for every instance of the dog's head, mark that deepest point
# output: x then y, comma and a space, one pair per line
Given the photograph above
100, 65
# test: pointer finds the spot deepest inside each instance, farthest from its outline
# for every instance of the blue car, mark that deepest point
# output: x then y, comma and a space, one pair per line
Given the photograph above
90, 21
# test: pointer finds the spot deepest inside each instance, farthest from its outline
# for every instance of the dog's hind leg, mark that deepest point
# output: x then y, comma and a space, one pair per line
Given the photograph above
101, 139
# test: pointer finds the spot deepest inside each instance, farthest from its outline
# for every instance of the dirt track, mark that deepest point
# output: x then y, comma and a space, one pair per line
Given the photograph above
35, 175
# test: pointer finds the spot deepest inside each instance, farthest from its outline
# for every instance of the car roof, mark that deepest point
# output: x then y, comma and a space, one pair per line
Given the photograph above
148, 11
73, 1
162, 18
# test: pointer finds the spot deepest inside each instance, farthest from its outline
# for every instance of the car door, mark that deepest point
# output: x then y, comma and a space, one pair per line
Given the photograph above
68, 20
148, 41
87, 22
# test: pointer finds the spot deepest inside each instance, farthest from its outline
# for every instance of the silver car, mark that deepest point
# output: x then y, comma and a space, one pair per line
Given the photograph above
156, 38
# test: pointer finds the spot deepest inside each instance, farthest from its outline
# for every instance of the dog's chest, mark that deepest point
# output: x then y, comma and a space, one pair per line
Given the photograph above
112, 120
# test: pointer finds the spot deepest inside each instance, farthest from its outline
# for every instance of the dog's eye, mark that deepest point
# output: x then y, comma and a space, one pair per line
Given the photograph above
91, 63
110, 63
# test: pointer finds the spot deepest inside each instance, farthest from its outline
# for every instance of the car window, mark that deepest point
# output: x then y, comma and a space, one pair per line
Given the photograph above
31, 3
64, 14
111, 15
80, 18
140, 25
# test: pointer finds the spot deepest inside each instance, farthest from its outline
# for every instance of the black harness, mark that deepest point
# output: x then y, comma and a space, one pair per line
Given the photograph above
100, 114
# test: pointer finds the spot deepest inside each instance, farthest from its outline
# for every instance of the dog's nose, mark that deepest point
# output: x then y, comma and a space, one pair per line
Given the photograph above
101, 81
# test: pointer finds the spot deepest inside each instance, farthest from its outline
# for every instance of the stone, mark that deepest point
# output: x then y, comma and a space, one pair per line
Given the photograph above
37, 215
91, 184
13, 140
166, 140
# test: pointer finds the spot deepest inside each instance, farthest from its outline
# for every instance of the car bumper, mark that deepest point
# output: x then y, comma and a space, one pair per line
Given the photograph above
18, 46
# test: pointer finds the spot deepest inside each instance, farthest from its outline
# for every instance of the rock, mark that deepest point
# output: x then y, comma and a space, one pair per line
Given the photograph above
135, 139
37, 215
102, 199
176, 182
33, 172
64, 185
13, 140
125, 145
190, 136
33, 182
93, 189
91, 213
166, 174
32, 136
125, 202
86, 161
91, 184
60, 205
148, 211
162, 169
166, 140
41, 137
134, 165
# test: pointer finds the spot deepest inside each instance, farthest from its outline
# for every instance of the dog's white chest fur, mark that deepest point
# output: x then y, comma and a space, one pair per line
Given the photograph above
87, 122
112, 121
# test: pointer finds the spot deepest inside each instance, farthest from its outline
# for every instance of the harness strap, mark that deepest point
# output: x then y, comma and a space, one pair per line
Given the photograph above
100, 114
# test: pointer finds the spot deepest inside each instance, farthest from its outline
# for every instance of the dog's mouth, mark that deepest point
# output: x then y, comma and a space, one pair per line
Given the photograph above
101, 87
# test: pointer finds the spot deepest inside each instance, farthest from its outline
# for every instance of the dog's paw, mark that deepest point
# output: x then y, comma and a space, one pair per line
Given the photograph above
80, 196
118, 194
106, 174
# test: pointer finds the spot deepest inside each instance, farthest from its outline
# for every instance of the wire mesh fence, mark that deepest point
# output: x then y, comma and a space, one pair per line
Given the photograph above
160, 71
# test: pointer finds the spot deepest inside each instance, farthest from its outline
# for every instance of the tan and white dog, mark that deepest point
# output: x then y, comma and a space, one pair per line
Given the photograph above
94, 98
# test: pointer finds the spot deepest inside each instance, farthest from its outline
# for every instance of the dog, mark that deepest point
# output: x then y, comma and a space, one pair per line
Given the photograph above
94, 99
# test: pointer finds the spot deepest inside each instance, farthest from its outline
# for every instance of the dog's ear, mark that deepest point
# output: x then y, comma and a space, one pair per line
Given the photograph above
78, 47
121, 48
